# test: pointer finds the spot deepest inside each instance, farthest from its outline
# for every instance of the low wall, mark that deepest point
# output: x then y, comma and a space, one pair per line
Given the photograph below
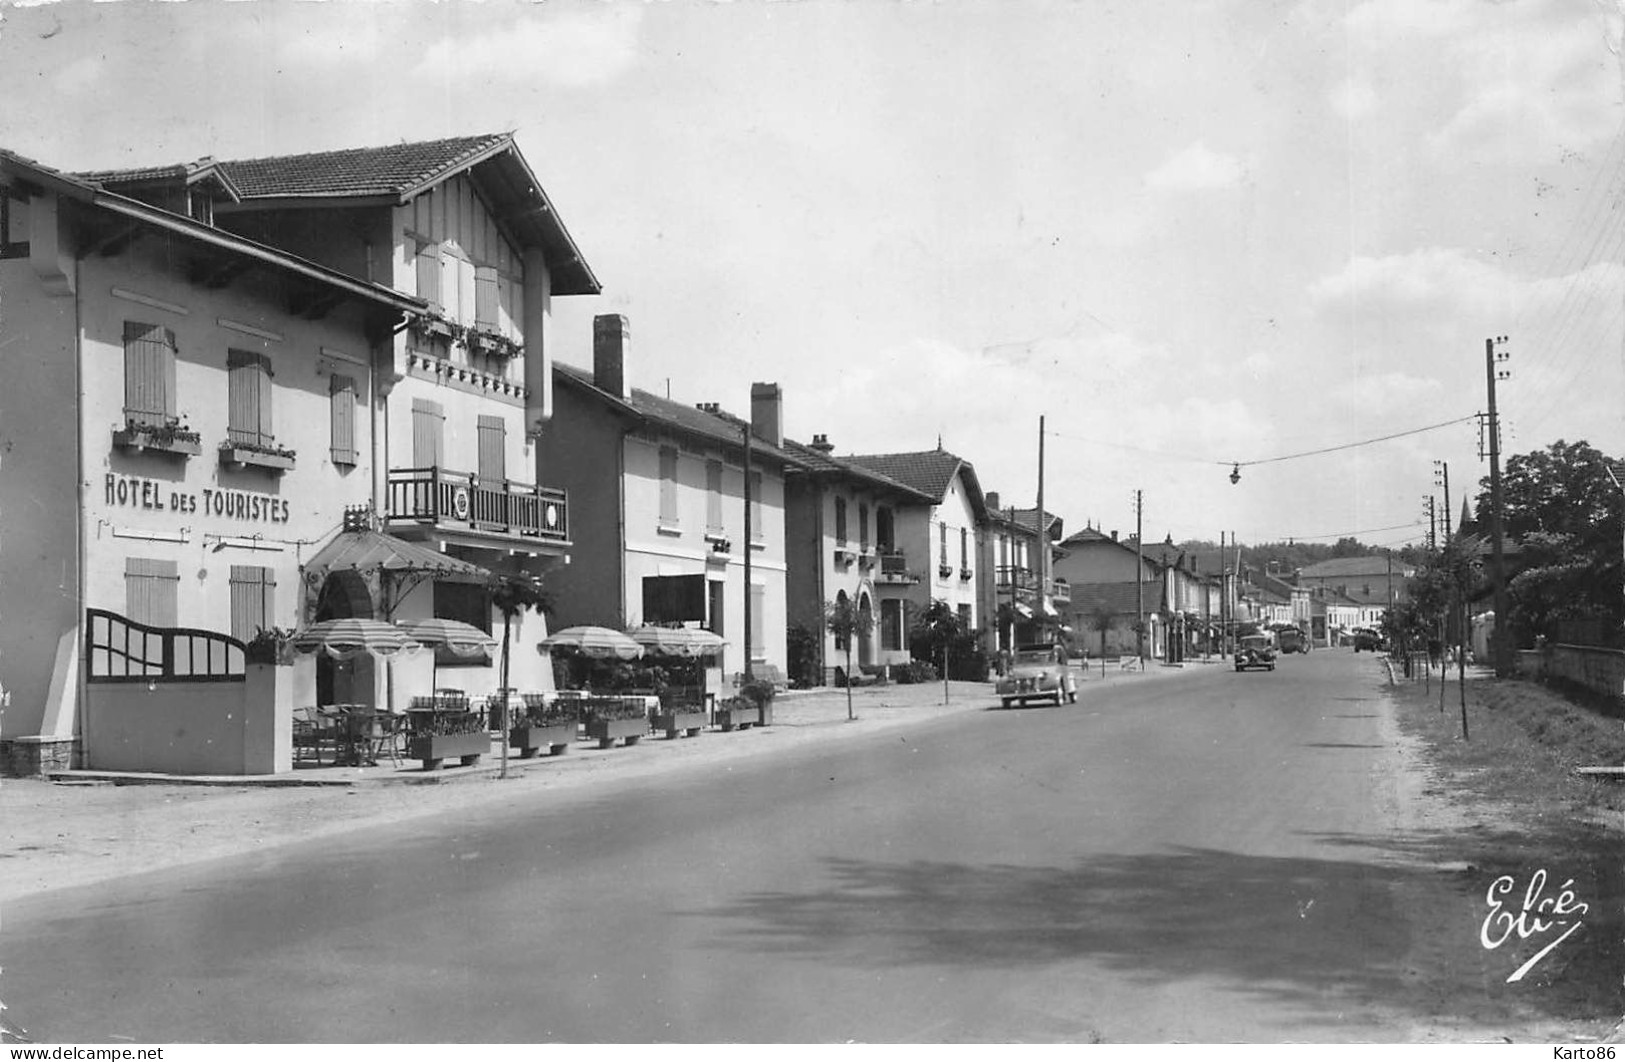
1587, 666
195, 728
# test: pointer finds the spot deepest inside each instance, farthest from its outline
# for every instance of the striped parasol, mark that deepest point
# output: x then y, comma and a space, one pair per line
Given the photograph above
346, 639
461, 638
678, 641
599, 642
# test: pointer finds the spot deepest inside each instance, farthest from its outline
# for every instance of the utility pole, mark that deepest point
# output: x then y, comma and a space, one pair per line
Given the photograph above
1139, 582
1043, 541
748, 530
1442, 472
1499, 643
1224, 629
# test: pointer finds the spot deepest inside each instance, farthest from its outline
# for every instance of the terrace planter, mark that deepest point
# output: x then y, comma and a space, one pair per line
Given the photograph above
159, 440
555, 738
433, 749
606, 731
736, 716
680, 722
244, 457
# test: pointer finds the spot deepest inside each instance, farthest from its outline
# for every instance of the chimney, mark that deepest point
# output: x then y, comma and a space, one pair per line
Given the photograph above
713, 408
611, 336
766, 413
993, 500
822, 444
1114, 536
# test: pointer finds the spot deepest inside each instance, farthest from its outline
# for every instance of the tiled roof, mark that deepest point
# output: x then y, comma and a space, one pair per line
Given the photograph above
720, 427
928, 471
391, 170
1350, 567
1116, 598
815, 460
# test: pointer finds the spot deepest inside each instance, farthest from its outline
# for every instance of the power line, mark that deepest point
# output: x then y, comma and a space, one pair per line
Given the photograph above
1267, 460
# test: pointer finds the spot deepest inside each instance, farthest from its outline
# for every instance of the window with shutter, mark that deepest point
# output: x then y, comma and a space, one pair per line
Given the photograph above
863, 526
341, 394
758, 623
428, 270
964, 548
149, 374
487, 312
248, 392
757, 532
428, 420
253, 591
713, 496
668, 485
493, 432
151, 591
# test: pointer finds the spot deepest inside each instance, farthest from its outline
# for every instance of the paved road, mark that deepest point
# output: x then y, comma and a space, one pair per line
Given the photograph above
1173, 860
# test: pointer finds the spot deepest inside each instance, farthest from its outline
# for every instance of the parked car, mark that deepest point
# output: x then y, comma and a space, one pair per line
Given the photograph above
1038, 673
1366, 638
1255, 651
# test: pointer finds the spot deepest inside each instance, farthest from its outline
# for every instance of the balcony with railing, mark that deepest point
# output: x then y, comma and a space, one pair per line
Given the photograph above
457, 507
1060, 592
1009, 577
894, 569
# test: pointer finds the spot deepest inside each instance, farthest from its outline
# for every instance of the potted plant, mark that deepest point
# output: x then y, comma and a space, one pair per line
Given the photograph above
265, 454
753, 706
268, 646
545, 725
437, 736
169, 437
612, 718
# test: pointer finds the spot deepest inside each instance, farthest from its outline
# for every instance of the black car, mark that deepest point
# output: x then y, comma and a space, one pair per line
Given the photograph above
1255, 651
1365, 638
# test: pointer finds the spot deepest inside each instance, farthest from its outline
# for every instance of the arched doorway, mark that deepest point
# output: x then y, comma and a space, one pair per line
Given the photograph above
866, 632
343, 595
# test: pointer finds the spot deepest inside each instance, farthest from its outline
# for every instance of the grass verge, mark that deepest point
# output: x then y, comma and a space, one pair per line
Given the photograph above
1515, 774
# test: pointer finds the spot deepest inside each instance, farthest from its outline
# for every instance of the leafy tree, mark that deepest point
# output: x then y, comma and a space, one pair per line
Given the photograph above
846, 621
1101, 620
1563, 510
512, 592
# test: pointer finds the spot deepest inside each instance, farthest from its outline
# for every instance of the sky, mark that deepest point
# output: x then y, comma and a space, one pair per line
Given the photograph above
1187, 236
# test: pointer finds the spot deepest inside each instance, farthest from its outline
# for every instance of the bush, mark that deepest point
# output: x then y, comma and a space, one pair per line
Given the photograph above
915, 671
758, 692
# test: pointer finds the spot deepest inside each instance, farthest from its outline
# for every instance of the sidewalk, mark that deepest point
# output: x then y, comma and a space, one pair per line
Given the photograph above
86, 827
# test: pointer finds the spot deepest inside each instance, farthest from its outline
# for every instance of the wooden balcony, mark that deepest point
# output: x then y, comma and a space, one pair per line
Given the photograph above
1060, 592
457, 507
1009, 576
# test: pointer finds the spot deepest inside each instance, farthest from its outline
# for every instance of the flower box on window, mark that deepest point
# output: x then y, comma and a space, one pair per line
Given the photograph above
163, 438
945, 571
256, 455
964, 575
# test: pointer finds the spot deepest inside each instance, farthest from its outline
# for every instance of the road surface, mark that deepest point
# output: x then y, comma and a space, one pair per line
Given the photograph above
1199, 859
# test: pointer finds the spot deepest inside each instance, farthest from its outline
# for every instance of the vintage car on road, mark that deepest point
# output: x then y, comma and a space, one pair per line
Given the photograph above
1292, 640
1366, 638
1038, 673
1255, 651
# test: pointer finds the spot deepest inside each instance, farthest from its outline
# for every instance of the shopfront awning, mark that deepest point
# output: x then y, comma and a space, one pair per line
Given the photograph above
1023, 611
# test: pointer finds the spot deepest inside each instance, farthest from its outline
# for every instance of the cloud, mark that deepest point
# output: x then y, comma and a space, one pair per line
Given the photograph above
1512, 78
1196, 168
574, 50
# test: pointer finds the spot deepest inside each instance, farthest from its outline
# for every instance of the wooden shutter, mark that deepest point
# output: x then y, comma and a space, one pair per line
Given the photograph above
863, 525
248, 394
486, 301
758, 622
341, 394
668, 485
252, 593
428, 421
840, 521
493, 440
151, 591
756, 529
149, 373
713, 496
428, 269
